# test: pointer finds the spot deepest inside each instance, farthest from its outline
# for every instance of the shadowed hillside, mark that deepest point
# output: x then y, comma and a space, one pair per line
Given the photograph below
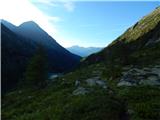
19, 45
121, 82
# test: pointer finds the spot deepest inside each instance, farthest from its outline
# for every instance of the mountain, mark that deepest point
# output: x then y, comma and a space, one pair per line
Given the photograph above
121, 82
83, 51
138, 44
15, 52
57, 53
8, 25
20, 43
32, 31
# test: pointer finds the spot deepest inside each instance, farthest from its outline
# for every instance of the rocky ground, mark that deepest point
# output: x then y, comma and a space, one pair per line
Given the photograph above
132, 76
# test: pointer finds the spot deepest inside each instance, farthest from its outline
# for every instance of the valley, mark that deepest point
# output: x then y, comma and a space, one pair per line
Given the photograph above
119, 82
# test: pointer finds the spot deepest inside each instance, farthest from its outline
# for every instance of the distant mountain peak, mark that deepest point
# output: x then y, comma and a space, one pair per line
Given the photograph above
77, 46
29, 23
83, 51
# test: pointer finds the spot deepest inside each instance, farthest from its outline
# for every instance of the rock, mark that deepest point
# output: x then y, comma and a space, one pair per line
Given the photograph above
146, 69
152, 78
150, 82
77, 83
156, 70
157, 66
29, 97
128, 79
96, 81
130, 111
143, 76
125, 83
101, 83
133, 71
52, 76
80, 91
152, 42
19, 91
96, 72
91, 82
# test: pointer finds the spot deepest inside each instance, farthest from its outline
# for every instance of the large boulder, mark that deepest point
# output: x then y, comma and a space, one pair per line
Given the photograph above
140, 76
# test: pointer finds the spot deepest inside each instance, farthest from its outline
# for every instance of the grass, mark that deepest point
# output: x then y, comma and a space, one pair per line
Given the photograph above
144, 101
56, 101
146, 24
60, 104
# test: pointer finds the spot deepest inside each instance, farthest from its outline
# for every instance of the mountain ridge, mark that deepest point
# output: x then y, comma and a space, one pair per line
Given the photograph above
83, 51
133, 39
22, 44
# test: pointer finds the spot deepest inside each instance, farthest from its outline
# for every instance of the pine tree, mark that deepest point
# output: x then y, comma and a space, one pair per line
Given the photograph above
36, 72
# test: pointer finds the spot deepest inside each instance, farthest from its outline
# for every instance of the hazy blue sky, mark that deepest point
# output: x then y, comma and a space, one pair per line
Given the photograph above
80, 22
94, 23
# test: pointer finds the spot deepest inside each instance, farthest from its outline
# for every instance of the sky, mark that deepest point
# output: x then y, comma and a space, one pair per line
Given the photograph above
78, 22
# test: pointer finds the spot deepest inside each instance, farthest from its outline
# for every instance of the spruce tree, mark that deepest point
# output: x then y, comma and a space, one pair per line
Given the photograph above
36, 72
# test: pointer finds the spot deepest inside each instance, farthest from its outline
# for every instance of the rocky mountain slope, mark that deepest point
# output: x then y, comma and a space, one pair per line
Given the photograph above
138, 42
121, 82
135, 54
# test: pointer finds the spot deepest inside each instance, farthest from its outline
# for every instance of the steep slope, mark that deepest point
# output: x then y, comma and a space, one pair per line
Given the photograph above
83, 51
8, 24
20, 43
143, 36
16, 51
33, 32
56, 52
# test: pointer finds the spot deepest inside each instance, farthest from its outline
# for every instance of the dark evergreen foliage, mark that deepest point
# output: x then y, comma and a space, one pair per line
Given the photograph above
36, 72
